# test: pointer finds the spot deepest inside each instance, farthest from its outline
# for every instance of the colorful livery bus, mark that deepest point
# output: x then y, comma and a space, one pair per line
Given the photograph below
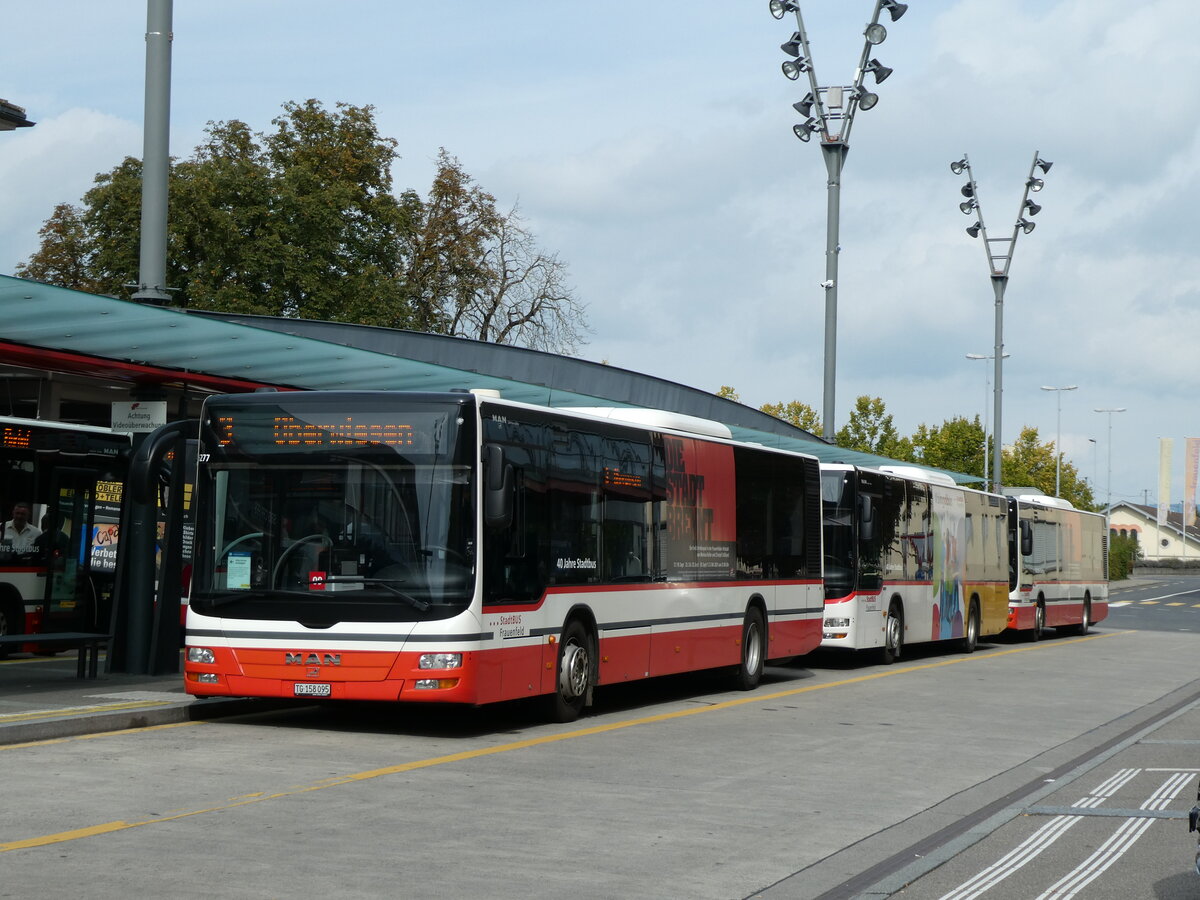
68, 481
911, 557
458, 548
1059, 566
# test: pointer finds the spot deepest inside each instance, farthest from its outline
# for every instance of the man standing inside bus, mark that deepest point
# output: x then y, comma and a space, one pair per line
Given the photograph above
17, 533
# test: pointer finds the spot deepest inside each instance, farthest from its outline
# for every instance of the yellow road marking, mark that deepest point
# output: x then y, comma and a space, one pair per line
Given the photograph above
355, 777
97, 736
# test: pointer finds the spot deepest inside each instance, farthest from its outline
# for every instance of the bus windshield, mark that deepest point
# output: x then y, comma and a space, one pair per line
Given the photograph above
323, 516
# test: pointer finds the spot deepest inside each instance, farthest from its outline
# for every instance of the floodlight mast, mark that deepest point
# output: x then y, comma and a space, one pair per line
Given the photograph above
998, 265
833, 107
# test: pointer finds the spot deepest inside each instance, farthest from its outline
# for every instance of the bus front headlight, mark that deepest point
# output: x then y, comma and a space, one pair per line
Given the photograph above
440, 661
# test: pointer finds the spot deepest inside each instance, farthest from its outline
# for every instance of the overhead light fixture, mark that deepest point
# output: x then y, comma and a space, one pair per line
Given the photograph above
1033, 208
966, 206
793, 67
779, 7
1043, 165
805, 130
875, 33
1025, 225
958, 167
968, 189
804, 107
792, 46
879, 70
866, 99
973, 231
1035, 184
896, 9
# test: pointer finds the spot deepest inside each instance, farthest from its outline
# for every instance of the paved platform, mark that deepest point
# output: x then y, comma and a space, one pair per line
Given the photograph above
41, 698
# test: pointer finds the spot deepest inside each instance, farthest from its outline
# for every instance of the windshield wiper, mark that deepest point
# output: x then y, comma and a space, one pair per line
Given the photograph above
387, 583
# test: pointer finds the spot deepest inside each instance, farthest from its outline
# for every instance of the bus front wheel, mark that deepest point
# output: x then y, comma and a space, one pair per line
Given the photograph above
573, 677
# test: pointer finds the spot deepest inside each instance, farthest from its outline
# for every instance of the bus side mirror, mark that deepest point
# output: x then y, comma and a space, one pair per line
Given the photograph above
1026, 538
497, 488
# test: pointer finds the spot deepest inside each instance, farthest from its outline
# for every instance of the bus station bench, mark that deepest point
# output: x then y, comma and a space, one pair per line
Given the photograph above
88, 644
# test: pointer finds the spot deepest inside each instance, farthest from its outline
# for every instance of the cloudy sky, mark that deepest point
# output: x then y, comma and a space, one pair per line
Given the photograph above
649, 144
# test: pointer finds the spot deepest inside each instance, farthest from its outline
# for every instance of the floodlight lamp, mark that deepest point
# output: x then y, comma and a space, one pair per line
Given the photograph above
793, 67
779, 7
968, 189
896, 9
967, 205
958, 167
805, 130
1043, 165
1025, 225
793, 44
1035, 184
973, 231
866, 99
804, 107
1033, 208
880, 71
875, 33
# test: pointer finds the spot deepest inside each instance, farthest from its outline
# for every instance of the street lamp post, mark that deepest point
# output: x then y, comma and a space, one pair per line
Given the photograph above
987, 389
1110, 410
829, 111
999, 261
1058, 436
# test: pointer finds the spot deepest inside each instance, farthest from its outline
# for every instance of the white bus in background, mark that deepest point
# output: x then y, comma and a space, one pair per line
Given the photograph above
1059, 566
911, 557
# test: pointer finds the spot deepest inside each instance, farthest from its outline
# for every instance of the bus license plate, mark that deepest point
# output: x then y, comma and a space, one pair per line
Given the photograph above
310, 689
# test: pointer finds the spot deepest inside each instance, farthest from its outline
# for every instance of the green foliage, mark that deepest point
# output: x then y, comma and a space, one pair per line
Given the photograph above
869, 429
1123, 552
799, 414
728, 393
956, 445
302, 222
1031, 463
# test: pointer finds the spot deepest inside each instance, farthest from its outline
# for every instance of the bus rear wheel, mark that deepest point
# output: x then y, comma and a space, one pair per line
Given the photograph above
573, 675
970, 638
893, 634
750, 670
1039, 622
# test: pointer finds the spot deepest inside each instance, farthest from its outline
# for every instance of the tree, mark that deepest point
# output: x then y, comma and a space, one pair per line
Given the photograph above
797, 413
477, 273
729, 393
302, 222
1030, 463
869, 429
64, 257
956, 445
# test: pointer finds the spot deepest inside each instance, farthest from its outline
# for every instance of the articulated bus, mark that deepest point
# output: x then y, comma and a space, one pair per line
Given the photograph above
69, 479
1059, 573
460, 548
911, 557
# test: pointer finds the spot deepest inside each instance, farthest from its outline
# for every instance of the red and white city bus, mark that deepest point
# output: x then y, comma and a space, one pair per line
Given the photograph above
1059, 566
457, 548
70, 478
911, 557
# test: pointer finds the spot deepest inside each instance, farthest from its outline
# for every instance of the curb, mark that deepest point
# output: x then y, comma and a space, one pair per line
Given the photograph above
122, 720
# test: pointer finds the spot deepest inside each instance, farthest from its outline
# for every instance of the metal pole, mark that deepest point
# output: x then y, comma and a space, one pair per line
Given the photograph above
152, 271
834, 154
999, 283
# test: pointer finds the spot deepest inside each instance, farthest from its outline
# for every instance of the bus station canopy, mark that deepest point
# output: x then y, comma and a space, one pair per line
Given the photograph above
56, 329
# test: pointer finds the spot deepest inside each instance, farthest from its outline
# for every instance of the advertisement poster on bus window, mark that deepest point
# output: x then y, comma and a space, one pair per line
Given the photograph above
700, 510
949, 560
